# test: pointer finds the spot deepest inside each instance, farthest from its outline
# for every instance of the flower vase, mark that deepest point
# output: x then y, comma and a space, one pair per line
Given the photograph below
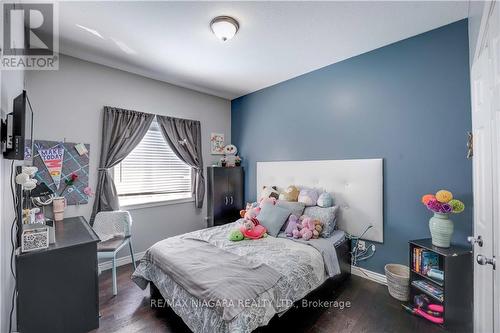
441, 228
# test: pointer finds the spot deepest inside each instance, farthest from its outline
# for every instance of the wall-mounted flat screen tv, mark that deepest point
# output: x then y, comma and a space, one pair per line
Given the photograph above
17, 130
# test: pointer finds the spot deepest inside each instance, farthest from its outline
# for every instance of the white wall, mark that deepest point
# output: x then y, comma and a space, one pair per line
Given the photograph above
476, 9
68, 104
11, 86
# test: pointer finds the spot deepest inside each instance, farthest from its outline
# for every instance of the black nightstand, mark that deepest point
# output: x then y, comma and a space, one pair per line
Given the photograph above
457, 286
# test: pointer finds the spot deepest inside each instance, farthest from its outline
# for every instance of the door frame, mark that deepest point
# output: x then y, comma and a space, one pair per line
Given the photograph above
483, 38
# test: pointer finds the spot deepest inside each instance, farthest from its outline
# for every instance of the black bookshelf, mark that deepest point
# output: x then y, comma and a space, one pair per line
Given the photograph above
457, 286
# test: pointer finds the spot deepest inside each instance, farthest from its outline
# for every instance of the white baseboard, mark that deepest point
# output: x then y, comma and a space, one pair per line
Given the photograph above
370, 275
105, 265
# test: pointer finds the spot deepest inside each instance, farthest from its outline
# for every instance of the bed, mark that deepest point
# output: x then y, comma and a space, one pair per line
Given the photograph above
301, 267
217, 285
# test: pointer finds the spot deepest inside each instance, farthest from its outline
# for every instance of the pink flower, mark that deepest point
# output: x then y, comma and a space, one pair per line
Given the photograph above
88, 191
434, 206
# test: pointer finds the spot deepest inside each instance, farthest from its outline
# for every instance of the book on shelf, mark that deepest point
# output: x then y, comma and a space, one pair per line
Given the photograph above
430, 260
429, 288
424, 260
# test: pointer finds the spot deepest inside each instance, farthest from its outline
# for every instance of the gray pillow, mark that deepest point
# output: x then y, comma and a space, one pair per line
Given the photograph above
295, 208
327, 216
273, 217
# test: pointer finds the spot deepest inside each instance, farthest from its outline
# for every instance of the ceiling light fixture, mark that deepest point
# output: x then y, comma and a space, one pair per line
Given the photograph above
224, 27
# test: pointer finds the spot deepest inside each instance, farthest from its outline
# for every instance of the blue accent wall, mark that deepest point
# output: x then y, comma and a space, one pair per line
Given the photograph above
408, 103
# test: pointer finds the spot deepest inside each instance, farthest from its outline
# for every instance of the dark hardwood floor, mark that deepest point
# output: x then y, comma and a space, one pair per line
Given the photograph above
371, 310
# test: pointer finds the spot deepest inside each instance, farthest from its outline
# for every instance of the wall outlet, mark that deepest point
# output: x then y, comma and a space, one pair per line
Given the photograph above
361, 245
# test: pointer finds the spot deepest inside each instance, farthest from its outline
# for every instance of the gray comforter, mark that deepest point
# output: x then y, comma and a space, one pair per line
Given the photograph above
301, 268
216, 277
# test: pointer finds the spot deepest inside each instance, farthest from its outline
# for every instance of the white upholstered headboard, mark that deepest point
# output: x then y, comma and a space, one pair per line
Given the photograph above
356, 186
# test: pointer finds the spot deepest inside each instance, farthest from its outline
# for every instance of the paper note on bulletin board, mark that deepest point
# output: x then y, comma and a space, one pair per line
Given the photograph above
73, 162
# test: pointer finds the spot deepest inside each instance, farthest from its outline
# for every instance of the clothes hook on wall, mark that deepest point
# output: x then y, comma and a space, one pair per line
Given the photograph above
470, 147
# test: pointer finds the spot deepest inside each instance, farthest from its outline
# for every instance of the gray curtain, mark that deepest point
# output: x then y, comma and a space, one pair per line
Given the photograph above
184, 137
122, 131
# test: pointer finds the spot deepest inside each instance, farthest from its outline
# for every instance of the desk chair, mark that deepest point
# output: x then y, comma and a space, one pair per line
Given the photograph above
113, 228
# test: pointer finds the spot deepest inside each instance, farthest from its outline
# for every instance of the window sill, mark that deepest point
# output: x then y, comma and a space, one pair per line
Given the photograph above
133, 204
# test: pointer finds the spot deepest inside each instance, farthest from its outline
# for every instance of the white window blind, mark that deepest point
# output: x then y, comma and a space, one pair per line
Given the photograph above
152, 172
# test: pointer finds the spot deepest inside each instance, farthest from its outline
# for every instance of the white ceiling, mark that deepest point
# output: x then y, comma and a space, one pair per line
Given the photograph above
172, 41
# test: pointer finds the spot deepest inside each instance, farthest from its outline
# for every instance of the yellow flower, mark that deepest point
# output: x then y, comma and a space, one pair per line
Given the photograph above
444, 196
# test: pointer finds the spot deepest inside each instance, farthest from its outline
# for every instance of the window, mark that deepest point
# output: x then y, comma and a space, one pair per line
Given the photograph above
152, 172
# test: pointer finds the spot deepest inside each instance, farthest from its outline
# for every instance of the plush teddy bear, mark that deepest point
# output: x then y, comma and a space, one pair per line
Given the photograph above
317, 229
291, 193
304, 229
308, 197
292, 223
269, 192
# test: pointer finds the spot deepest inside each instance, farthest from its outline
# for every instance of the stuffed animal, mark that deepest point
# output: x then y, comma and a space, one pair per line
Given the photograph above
305, 229
252, 205
317, 229
251, 223
269, 192
296, 232
248, 224
236, 235
250, 211
291, 193
249, 229
325, 200
229, 159
292, 223
265, 201
308, 197
256, 232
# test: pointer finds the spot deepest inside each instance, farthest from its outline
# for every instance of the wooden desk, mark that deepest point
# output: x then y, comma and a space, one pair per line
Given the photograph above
58, 286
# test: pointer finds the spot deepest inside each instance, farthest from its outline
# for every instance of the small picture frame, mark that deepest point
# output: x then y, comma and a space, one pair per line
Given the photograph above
34, 237
217, 143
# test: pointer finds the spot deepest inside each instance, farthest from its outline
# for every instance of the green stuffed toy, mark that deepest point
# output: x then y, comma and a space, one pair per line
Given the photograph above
236, 235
